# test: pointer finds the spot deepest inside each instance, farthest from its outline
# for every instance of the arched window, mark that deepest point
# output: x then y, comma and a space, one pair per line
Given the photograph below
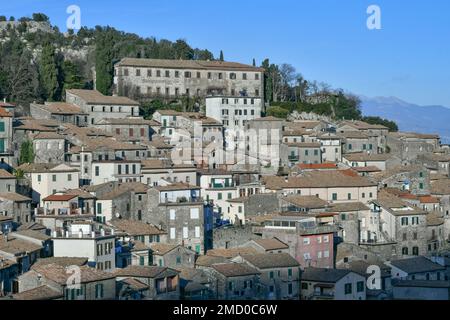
405, 251
416, 251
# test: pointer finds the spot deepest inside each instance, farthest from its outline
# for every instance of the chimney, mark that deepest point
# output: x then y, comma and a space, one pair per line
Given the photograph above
80, 234
55, 234
93, 234
4, 99
67, 234
102, 232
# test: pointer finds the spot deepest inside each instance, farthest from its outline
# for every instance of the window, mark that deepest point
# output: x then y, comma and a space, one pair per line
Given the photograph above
187, 74
363, 195
99, 208
244, 76
194, 213
197, 232
405, 251
415, 251
349, 196
348, 288
39, 178
138, 72
219, 196
421, 186
256, 76
199, 75
360, 286
185, 232
271, 275
54, 178
69, 177
326, 239
158, 73
319, 255
220, 75
177, 74
99, 291
306, 241
334, 196
304, 285
172, 233
149, 72
178, 260
404, 221
2, 126
97, 171
326, 254
172, 214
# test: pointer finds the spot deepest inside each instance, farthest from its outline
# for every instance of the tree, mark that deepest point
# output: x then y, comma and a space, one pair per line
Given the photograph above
221, 56
49, 73
72, 76
278, 112
104, 61
183, 50
40, 17
254, 62
2, 18
11, 18
26, 152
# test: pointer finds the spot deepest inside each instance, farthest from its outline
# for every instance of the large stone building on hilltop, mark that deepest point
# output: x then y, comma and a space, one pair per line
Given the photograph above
173, 79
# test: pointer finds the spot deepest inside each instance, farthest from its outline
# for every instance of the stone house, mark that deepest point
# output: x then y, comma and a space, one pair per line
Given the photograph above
96, 105
417, 268
235, 281
49, 147
279, 274
412, 178
7, 181
131, 129
9, 270
16, 206
173, 256
332, 284
62, 112
161, 283
7, 160
93, 284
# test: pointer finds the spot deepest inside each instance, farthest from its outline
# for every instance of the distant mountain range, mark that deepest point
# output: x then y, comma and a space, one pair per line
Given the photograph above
408, 116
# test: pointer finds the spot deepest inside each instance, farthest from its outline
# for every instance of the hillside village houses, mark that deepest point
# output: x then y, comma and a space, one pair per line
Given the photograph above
173, 206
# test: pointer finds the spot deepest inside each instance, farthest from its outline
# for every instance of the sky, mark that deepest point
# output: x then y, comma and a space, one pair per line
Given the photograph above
325, 40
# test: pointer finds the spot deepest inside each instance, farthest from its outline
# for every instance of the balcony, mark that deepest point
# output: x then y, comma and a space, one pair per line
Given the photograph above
62, 212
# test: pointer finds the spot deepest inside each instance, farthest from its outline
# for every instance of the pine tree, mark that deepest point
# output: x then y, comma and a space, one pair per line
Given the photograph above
48, 72
254, 62
221, 56
72, 76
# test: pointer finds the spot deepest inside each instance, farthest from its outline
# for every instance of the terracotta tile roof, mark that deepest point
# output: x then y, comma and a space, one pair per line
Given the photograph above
364, 156
6, 175
60, 197
40, 293
48, 136
7, 104
316, 179
269, 118
62, 261
361, 125
311, 202
62, 108
6, 263
348, 206
59, 274
31, 234
303, 144
17, 246
271, 244
136, 228
128, 121
435, 219
428, 199
367, 169
187, 64
207, 261
135, 284
95, 97
271, 260
231, 252
4, 113
314, 166
46, 168
162, 248
145, 272
441, 187
235, 269
323, 274
416, 265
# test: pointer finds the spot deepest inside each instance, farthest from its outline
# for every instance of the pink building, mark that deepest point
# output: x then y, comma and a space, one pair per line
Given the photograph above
310, 243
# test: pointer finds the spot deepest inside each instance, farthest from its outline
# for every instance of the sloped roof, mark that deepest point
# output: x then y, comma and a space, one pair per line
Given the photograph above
416, 265
271, 244
95, 97
323, 274
271, 260
235, 269
40, 293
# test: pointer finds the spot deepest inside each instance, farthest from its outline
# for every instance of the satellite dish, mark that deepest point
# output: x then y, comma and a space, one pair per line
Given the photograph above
117, 215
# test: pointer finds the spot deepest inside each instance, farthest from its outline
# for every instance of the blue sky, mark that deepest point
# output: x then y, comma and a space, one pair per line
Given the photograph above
326, 40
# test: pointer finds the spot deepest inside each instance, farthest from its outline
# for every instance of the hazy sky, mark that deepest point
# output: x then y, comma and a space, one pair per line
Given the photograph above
326, 40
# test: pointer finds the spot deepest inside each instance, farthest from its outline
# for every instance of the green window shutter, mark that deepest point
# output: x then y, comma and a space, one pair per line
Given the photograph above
2, 145
2, 126
141, 261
